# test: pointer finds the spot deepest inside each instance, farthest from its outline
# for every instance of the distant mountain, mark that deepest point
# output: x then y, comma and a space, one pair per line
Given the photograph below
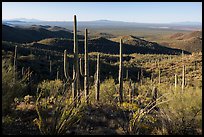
187, 23
191, 42
33, 33
22, 20
110, 24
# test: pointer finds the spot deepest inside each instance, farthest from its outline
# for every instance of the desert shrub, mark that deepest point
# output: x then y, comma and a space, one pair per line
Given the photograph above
183, 114
107, 93
144, 119
7, 120
57, 111
142, 123
10, 89
47, 86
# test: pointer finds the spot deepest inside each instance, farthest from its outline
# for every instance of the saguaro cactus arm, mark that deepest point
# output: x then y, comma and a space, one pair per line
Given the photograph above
81, 70
66, 73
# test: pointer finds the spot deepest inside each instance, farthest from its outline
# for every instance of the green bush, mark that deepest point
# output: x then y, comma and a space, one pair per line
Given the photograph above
10, 89
57, 111
183, 113
107, 92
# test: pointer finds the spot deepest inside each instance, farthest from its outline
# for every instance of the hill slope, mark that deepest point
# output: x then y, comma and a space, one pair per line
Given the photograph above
34, 33
107, 46
191, 42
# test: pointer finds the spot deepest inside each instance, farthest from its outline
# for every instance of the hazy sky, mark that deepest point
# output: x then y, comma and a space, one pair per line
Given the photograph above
147, 12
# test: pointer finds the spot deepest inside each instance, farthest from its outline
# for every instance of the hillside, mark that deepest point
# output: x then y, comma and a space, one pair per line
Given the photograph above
33, 33
104, 45
107, 46
191, 42
132, 40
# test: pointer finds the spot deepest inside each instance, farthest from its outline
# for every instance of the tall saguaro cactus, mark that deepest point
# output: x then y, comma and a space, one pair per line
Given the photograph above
183, 78
57, 73
22, 71
176, 81
151, 77
50, 67
127, 75
138, 75
154, 96
159, 75
75, 80
131, 89
120, 78
76, 83
15, 63
86, 66
141, 76
97, 82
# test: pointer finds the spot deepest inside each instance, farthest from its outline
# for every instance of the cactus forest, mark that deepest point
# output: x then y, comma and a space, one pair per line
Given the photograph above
74, 88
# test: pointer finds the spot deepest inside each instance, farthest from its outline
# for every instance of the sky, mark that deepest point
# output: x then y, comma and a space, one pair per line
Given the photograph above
144, 12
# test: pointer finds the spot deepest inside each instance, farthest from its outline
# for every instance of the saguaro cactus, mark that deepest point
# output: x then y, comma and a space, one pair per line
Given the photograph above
183, 78
131, 89
151, 77
15, 63
154, 96
159, 75
141, 76
75, 80
76, 84
57, 73
50, 67
97, 82
86, 67
182, 56
120, 78
22, 71
127, 75
176, 81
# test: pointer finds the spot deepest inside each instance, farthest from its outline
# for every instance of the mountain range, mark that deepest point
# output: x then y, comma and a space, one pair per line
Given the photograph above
106, 23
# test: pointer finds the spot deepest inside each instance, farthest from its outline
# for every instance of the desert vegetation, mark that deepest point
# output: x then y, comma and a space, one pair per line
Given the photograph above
76, 90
